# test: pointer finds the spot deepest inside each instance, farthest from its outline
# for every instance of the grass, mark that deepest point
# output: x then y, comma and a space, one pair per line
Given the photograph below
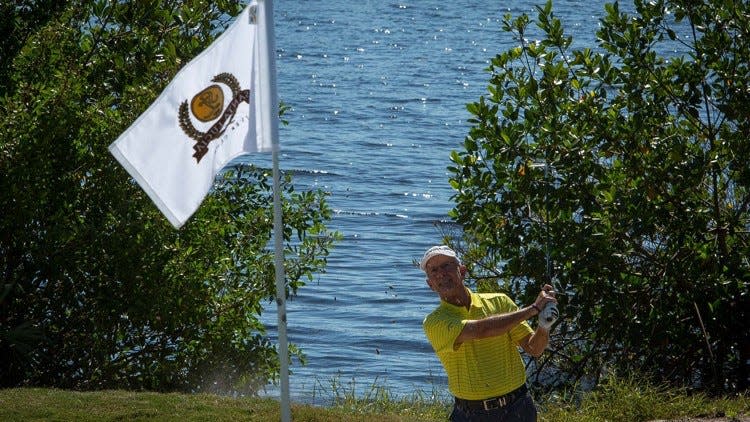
629, 400
625, 401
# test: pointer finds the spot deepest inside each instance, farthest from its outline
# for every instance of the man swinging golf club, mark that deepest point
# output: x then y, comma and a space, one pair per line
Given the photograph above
477, 337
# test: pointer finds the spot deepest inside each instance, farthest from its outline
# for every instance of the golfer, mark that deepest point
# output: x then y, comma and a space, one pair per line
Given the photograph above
477, 337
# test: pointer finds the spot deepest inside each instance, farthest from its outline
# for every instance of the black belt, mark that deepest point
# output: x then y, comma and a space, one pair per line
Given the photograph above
493, 402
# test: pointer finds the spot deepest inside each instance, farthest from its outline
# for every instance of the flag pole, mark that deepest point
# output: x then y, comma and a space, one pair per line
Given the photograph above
278, 230
267, 68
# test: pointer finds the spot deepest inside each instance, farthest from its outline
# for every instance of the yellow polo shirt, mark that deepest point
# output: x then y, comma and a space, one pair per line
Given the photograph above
483, 368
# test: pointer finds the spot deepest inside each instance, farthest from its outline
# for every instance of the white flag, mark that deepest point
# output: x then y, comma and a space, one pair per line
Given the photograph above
220, 105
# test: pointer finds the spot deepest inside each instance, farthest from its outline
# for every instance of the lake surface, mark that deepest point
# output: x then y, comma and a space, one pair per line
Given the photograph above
378, 93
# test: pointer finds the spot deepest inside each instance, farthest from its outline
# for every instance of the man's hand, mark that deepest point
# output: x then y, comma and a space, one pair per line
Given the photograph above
548, 316
547, 302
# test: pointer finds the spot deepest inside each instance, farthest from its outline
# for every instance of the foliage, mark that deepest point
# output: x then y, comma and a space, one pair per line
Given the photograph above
98, 290
620, 174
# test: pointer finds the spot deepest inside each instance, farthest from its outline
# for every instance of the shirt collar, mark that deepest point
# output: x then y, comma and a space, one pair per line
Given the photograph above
476, 301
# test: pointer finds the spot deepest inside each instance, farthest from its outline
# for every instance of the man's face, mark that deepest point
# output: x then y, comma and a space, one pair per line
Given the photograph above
444, 273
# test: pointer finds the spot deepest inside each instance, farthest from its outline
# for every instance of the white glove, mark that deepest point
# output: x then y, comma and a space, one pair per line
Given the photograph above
548, 316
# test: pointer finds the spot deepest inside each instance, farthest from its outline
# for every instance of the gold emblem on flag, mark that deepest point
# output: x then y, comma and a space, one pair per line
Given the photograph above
208, 105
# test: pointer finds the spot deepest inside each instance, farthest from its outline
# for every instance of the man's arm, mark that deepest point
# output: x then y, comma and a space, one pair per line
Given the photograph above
496, 325
493, 325
535, 343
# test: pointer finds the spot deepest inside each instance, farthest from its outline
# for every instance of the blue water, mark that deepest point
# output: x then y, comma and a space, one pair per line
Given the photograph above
378, 93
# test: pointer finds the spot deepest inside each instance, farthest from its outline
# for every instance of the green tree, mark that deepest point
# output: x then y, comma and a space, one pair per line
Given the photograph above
98, 290
620, 173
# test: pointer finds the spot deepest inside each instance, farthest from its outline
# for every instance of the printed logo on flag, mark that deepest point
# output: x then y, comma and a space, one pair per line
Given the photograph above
219, 106
207, 106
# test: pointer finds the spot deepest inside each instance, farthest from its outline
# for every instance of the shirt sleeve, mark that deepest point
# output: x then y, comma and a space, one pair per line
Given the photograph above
442, 329
520, 331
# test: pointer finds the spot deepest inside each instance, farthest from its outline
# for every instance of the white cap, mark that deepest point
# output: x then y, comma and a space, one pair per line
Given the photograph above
435, 251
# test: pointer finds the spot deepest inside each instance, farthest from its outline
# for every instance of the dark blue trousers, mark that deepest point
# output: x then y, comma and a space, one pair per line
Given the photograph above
521, 410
